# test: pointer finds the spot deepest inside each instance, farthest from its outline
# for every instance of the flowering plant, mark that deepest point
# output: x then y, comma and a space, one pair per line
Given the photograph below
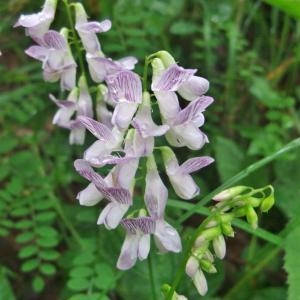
138, 128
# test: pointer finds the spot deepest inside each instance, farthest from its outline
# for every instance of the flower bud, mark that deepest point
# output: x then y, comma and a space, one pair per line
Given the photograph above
251, 216
230, 193
240, 212
166, 289
267, 203
166, 58
207, 266
254, 202
219, 246
227, 229
206, 236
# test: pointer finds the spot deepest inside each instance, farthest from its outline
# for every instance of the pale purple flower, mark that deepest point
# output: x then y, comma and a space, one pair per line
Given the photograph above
179, 175
125, 88
137, 241
36, 25
87, 30
156, 195
56, 58
119, 198
100, 66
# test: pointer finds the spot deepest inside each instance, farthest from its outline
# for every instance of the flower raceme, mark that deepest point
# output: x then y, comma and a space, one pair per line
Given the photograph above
126, 127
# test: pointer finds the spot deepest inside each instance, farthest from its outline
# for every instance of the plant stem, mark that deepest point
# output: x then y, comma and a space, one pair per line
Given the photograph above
151, 275
241, 175
76, 41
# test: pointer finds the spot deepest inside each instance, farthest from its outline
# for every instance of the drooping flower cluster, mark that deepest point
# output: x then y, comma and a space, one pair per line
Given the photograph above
124, 128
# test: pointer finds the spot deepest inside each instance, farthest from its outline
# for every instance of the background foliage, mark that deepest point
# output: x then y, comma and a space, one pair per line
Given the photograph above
249, 50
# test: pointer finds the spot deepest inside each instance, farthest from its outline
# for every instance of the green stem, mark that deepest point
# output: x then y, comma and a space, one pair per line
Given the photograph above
145, 75
75, 38
241, 175
151, 276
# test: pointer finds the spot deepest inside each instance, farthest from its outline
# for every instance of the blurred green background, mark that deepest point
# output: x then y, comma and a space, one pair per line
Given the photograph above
249, 51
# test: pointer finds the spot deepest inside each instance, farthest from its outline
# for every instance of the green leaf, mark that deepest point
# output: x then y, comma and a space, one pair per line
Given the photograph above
6, 292
47, 269
8, 143
30, 265
21, 212
106, 277
24, 224
47, 242
38, 284
49, 254
81, 272
78, 284
28, 251
183, 28
25, 237
290, 7
45, 216
46, 231
292, 263
229, 157
274, 293
84, 259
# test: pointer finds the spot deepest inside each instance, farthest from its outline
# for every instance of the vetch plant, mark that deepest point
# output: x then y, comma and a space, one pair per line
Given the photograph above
133, 142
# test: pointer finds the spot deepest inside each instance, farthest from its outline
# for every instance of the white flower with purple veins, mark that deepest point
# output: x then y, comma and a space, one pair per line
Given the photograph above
78, 103
184, 123
183, 183
137, 241
36, 25
156, 195
119, 198
100, 66
125, 88
56, 58
87, 30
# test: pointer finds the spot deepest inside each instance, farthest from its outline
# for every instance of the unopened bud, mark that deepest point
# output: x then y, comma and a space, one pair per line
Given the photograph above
207, 266
227, 229
230, 193
267, 203
166, 58
200, 282
206, 236
219, 246
166, 289
240, 212
254, 202
192, 266
251, 216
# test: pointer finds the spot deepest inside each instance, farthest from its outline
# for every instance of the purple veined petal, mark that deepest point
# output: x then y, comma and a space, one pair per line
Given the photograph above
37, 52
77, 136
167, 237
55, 40
99, 130
54, 60
128, 62
172, 78
50, 75
129, 251
125, 86
123, 114
118, 194
104, 115
37, 24
168, 104
143, 146
144, 225
86, 171
89, 196
186, 135
112, 215
144, 247
156, 193
193, 111
94, 27
68, 78
84, 104
194, 164
63, 103
193, 88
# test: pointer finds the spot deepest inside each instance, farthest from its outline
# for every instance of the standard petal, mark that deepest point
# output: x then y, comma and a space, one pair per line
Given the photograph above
98, 129
168, 104
37, 52
167, 237
172, 78
128, 62
125, 86
89, 196
193, 88
95, 27
194, 164
55, 40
